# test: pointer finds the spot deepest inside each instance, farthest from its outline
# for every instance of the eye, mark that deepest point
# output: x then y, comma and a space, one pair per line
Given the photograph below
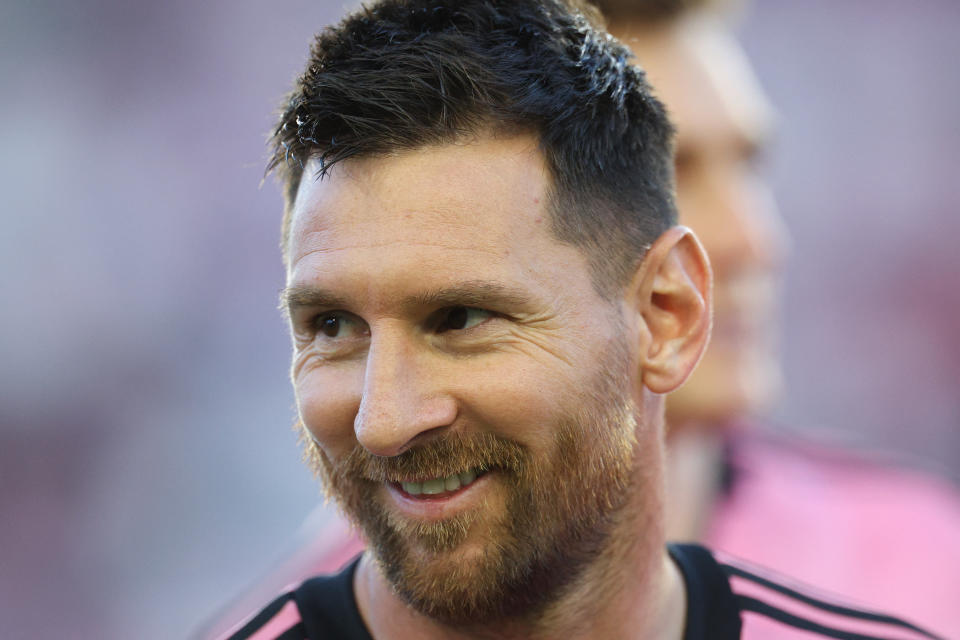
339, 324
460, 318
330, 326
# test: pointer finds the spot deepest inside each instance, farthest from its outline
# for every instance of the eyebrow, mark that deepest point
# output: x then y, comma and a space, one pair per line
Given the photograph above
300, 295
472, 293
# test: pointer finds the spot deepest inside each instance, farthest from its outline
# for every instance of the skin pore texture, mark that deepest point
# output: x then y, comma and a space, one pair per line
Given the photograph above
723, 122
441, 330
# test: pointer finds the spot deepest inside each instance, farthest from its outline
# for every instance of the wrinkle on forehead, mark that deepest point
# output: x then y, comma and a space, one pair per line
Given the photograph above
455, 247
486, 252
405, 243
382, 201
375, 174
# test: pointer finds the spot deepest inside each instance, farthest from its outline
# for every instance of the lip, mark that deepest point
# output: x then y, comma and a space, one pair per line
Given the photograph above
432, 508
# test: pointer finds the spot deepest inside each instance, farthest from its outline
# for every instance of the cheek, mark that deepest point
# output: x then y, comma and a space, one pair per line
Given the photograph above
520, 400
327, 401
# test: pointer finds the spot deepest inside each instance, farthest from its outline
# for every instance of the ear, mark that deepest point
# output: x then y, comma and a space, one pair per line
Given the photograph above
672, 295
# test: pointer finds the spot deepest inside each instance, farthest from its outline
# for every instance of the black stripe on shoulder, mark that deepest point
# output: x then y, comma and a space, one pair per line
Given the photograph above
826, 606
752, 604
262, 618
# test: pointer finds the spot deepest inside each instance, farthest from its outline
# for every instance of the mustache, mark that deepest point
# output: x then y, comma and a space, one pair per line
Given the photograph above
437, 458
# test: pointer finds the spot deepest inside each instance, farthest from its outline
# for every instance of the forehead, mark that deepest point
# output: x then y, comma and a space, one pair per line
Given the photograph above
471, 210
703, 76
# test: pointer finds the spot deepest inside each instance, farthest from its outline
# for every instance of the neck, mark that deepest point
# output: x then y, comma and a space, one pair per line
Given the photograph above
647, 601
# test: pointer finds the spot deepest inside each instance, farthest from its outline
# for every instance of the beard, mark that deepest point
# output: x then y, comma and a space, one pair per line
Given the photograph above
510, 559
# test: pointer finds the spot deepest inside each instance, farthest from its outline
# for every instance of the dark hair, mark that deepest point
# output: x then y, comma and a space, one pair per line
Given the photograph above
402, 74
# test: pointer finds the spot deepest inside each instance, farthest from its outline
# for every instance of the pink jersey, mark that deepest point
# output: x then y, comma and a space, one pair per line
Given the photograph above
885, 537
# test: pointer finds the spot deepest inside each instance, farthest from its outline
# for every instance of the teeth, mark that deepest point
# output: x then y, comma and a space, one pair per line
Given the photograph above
451, 483
438, 485
413, 488
433, 487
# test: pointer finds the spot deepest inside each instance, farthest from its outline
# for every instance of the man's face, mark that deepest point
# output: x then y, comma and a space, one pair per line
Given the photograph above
467, 394
722, 119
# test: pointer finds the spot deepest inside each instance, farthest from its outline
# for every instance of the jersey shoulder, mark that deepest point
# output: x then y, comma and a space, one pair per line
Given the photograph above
774, 607
319, 608
279, 620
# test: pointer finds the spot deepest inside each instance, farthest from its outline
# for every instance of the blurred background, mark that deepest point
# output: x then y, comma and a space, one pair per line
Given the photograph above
148, 470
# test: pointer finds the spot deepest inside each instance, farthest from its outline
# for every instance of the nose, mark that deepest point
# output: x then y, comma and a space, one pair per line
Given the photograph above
403, 395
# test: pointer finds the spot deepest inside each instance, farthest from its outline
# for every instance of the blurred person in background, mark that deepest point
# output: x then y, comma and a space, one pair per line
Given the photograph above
825, 516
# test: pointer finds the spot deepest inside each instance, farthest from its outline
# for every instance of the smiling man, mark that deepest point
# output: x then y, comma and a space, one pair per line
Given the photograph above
484, 321
489, 297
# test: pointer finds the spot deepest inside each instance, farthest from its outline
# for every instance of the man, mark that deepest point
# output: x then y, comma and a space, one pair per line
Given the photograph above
489, 298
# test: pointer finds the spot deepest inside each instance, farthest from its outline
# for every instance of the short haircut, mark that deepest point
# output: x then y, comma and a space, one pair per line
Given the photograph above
404, 74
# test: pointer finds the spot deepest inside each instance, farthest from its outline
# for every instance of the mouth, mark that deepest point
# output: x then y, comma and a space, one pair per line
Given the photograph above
440, 488
439, 498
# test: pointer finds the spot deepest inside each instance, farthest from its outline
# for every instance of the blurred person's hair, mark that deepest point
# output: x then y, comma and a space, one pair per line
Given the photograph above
404, 74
